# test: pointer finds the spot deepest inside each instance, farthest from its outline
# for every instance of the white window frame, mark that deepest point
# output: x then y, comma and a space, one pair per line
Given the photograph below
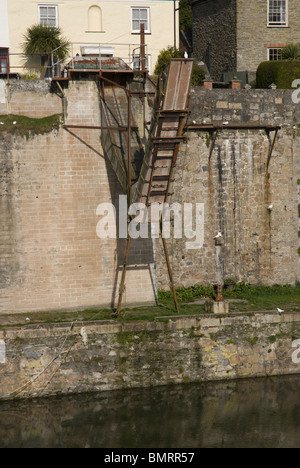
273, 48
48, 5
285, 24
137, 31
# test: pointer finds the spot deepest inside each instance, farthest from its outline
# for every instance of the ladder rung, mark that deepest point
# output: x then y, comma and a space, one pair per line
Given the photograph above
165, 140
160, 193
169, 129
161, 178
164, 157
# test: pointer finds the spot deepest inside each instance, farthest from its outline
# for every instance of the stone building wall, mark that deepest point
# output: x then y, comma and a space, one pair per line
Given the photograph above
214, 23
236, 187
254, 37
239, 33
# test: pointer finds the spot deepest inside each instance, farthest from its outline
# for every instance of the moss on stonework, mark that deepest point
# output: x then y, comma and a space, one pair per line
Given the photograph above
252, 340
27, 126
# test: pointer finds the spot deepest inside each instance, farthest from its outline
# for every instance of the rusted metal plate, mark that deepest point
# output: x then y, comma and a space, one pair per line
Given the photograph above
155, 183
178, 84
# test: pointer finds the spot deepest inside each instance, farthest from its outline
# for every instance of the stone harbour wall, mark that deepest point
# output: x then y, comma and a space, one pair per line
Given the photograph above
50, 187
237, 185
55, 359
31, 98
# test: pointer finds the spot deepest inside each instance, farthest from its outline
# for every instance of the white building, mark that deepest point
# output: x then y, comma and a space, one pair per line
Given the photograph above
95, 27
4, 37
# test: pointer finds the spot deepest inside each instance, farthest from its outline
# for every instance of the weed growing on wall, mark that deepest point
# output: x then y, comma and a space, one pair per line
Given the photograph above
26, 126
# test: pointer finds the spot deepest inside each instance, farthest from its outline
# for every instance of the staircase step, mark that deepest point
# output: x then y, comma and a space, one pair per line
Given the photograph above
159, 193
164, 157
161, 178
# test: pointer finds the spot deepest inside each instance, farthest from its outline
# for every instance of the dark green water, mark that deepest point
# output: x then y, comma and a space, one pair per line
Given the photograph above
248, 413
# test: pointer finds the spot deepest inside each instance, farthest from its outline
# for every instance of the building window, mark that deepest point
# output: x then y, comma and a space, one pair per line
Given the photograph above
137, 62
4, 62
275, 54
140, 16
48, 15
278, 12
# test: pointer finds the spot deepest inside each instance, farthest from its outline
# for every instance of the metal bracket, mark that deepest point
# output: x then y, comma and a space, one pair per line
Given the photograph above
272, 144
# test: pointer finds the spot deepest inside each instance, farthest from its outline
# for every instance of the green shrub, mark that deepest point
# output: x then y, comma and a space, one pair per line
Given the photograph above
281, 72
169, 53
185, 294
198, 76
164, 58
291, 52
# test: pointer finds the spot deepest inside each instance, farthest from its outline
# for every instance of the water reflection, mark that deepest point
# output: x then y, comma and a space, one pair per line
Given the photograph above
252, 413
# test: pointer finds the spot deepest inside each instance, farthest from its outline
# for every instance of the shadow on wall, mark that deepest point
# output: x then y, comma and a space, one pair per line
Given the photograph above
141, 256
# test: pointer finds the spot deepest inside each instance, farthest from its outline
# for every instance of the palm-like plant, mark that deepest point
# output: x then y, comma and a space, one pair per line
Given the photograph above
291, 52
42, 40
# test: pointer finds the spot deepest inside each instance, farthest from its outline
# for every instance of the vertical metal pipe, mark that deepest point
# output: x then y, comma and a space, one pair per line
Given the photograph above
129, 176
142, 53
175, 42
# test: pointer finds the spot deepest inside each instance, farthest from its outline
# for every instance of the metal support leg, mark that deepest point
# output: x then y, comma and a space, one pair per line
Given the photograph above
212, 143
129, 182
122, 283
170, 273
272, 144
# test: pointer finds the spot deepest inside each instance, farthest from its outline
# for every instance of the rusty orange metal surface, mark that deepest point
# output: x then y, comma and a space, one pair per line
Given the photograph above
155, 183
178, 85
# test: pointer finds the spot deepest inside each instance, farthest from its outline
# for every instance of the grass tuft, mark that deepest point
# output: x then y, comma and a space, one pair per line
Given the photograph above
27, 126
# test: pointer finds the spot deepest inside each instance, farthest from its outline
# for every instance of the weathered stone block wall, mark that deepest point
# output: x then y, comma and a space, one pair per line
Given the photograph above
51, 185
214, 35
50, 188
254, 37
237, 185
239, 34
64, 358
30, 98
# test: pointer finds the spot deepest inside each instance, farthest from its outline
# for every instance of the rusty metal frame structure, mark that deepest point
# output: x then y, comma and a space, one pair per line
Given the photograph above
162, 137
165, 136
157, 141
214, 130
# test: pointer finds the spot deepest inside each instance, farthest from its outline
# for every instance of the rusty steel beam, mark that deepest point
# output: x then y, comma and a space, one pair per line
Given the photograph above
233, 126
100, 127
